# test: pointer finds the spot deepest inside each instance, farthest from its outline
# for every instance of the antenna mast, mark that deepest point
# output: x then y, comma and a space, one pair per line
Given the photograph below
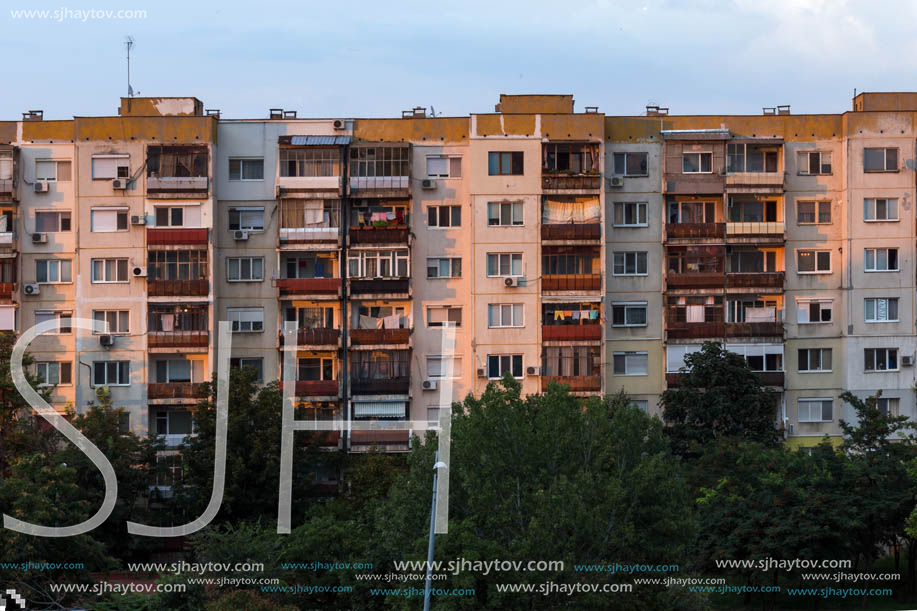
129, 42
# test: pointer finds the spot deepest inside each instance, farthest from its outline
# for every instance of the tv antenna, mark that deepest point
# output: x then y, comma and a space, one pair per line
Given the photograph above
129, 43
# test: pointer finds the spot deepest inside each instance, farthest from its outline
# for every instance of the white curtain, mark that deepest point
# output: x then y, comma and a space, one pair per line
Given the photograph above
570, 212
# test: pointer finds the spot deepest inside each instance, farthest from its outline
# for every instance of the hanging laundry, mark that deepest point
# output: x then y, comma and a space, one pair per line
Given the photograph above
576, 314
389, 216
399, 217
593, 315
558, 315
392, 322
168, 322
367, 322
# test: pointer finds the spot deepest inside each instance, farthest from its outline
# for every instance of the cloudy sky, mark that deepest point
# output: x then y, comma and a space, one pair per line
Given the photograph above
373, 59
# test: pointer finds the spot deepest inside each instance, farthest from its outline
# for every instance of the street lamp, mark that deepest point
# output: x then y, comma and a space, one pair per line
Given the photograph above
426, 594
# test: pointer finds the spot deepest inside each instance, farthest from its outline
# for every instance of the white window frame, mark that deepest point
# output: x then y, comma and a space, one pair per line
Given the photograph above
48, 263
452, 275
456, 366
512, 214
802, 305
815, 252
240, 210
449, 166
644, 206
700, 164
875, 351
803, 169
512, 308
502, 372
884, 150
875, 260
42, 369
626, 355
875, 309
118, 212
871, 204
61, 214
821, 360
892, 405
512, 257
624, 254
447, 309
120, 365
628, 305
241, 161
816, 205
626, 154
810, 401
395, 258
120, 162
239, 262
238, 322
169, 210
104, 263
113, 315
56, 163
57, 315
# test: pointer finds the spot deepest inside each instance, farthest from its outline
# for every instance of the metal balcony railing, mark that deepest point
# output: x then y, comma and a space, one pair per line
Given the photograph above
160, 235
317, 286
576, 383
379, 286
571, 332
177, 288
379, 235
379, 336
772, 280
571, 231
173, 390
315, 337
694, 230
572, 282
579, 182
178, 339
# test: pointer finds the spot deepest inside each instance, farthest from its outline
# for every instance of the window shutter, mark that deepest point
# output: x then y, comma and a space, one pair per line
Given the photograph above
103, 167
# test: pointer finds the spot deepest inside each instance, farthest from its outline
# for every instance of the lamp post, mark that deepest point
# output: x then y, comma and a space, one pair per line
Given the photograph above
426, 593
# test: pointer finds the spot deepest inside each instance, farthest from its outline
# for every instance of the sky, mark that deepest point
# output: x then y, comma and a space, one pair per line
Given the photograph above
375, 59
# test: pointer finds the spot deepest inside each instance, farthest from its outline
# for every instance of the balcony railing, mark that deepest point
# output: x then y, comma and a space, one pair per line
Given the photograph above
169, 184
364, 183
379, 286
576, 383
366, 337
689, 330
754, 228
176, 236
317, 388
578, 182
380, 386
315, 337
173, 390
571, 332
688, 281
772, 280
754, 329
572, 282
6, 186
7, 289
378, 235
178, 339
571, 231
694, 230
315, 286
365, 438
755, 179
177, 288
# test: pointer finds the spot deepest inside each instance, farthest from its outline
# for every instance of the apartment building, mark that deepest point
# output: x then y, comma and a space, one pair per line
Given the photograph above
571, 247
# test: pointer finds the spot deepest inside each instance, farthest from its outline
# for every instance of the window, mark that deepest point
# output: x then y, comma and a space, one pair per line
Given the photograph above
813, 213
52, 222
246, 320
387, 161
504, 315
61, 317
246, 219
440, 166
311, 317
499, 365
109, 270
812, 360
743, 157
556, 264
682, 211
810, 311
881, 359
107, 167
299, 215
696, 163
631, 363
743, 260
437, 316
630, 214
256, 363
108, 220
444, 267
628, 314
630, 264
178, 370
504, 213
813, 261
245, 269
881, 309
50, 271
744, 210
246, 169
118, 320
880, 209
504, 163
569, 157
170, 217
880, 160
315, 369
887, 406
111, 373
760, 357
318, 265
49, 170
174, 422
675, 356
177, 161
641, 404
177, 265
436, 366
378, 264
695, 260
309, 162
814, 410
444, 216
571, 361
881, 259
630, 164
53, 373
504, 264
812, 163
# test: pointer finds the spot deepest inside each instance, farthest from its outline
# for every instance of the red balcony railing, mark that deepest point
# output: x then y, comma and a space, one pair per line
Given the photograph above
378, 235
379, 336
689, 281
572, 282
695, 230
173, 390
754, 329
755, 280
379, 286
317, 388
571, 231
315, 337
176, 236
581, 182
576, 383
571, 332
178, 339
689, 330
317, 286
177, 288
7, 289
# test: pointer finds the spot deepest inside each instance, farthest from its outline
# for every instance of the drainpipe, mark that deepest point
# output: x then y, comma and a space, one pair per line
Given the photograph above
345, 302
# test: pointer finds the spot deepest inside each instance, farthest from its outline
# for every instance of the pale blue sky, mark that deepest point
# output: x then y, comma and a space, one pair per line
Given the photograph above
377, 58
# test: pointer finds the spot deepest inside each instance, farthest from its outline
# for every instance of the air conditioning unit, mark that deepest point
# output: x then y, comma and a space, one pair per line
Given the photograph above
511, 281
41, 187
429, 384
907, 361
340, 124
119, 183
31, 289
240, 235
138, 219
106, 341
428, 183
139, 272
532, 371
39, 238
616, 181
481, 373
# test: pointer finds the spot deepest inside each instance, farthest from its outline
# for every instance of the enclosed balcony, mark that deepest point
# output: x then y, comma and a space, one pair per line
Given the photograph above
8, 279
178, 172
173, 390
309, 273
310, 165
176, 236
381, 273
755, 219
387, 222
571, 269
690, 267
310, 221
175, 378
177, 273
571, 167
317, 323
695, 317
755, 166
571, 219
695, 220
578, 367
172, 426
9, 173
380, 170
754, 316
317, 375
325, 414
750, 267
694, 160
571, 322
380, 372
178, 327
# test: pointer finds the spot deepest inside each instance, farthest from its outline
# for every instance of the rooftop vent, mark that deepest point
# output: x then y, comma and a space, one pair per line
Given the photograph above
275, 113
289, 114
656, 111
592, 110
783, 110
418, 112
213, 112
33, 115
769, 110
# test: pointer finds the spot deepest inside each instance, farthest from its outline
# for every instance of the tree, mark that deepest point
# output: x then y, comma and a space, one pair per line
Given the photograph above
718, 396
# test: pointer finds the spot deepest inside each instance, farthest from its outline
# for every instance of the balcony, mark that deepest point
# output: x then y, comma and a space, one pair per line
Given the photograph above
695, 330
177, 288
680, 231
7, 241
7, 289
364, 440
570, 183
380, 286
571, 231
156, 236
754, 329
168, 187
381, 186
755, 182
7, 189
178, 339
173, 390
692, 281
571, 332
370, 337
316, 388
315, 337
379, 235
380, 386
572, 282
576, 383
771, 280
309, 286
756, 231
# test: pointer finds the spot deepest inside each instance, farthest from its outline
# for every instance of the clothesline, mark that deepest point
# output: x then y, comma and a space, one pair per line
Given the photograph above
576, 314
